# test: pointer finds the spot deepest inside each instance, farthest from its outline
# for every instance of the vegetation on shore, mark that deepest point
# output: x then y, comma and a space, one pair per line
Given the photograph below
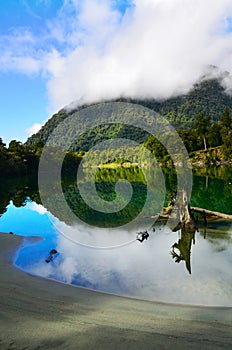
207, 97
207, 143
202, 119
18, 159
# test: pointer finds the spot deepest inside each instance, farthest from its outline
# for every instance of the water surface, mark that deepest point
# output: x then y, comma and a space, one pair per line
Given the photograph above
170, 266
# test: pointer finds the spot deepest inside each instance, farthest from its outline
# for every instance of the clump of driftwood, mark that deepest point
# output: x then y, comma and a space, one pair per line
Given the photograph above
52, 253
184, 218
211, 213
180, 212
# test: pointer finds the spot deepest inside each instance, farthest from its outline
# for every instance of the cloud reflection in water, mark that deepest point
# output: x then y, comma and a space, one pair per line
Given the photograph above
144, 270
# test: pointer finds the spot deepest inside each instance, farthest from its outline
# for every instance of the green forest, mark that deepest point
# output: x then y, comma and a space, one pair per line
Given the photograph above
209, 142
202, 119
18, 159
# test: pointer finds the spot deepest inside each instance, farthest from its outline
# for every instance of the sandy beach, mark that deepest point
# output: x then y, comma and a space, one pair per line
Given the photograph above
42, 314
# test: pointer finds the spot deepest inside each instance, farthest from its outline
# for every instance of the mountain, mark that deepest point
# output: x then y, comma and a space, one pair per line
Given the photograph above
207, 97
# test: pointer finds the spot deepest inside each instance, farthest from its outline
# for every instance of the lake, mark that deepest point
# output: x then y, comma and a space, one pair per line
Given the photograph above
100, 251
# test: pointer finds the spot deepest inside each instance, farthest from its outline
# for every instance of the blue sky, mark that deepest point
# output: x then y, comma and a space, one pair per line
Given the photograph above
23, 95
54, 52
23, 92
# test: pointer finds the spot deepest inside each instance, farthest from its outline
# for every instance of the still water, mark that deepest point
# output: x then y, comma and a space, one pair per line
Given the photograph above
193, 268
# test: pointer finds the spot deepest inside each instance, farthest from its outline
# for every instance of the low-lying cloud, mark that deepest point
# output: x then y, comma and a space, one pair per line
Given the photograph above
92, 50
33, 129
157, 49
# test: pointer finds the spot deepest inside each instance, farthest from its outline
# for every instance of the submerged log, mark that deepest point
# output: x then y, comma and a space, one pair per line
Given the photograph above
172, 211
212, 213
209, 213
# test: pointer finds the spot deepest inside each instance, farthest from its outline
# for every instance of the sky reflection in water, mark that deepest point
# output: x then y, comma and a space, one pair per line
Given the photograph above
144, 270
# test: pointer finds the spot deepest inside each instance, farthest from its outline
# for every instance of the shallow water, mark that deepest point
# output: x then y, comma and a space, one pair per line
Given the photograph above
170, 266
143, 270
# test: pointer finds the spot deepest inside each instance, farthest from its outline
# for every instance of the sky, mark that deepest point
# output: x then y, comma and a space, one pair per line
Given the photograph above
54, 52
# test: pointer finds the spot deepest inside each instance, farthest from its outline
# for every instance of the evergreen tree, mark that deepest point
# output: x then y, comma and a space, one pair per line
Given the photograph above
226, 132
226, 120
202, 125
214, 135
2, 146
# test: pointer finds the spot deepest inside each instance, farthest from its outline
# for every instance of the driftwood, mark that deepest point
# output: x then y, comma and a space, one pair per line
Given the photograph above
209, 213
52, 253
212, 213
180, 212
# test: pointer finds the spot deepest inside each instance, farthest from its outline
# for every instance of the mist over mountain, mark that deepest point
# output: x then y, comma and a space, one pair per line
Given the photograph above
208, 96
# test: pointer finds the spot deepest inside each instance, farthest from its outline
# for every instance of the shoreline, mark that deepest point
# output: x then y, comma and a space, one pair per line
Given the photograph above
43, 313
156, 301
28, 240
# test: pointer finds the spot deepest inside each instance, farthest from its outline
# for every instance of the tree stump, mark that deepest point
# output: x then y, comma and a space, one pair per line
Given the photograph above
181, 212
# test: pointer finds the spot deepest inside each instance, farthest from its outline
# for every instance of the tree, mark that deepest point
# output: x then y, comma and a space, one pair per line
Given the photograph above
214, 135
201, 125
16, 147
2, 145
156, 147
189, 139
226, 120
226, 132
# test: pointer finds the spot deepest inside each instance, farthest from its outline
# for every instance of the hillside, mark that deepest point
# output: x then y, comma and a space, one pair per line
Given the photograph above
207, 97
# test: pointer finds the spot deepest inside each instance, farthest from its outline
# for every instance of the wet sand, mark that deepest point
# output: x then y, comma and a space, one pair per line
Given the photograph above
36, 313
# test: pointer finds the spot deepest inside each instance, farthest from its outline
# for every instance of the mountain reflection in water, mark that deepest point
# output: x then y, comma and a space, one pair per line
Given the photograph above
157, 269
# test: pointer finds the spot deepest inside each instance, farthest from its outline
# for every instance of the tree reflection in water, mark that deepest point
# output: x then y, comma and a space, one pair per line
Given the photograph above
217, 196
184, 245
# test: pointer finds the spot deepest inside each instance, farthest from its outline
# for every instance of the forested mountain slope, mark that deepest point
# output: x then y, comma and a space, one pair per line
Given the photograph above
207, 97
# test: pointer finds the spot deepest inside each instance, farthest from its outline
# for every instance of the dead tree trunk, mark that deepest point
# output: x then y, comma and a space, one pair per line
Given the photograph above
181, 212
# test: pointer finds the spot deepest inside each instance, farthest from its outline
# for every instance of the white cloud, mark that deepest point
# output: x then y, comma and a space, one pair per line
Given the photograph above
33, 129
37, 208
90, 50
159, 48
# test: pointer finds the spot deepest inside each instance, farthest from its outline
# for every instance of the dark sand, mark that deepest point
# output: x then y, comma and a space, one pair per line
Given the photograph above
41, 314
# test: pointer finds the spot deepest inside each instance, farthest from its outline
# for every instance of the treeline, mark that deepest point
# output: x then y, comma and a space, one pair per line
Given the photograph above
207, 134
204, 135
214, 136
18, 159
207, 97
